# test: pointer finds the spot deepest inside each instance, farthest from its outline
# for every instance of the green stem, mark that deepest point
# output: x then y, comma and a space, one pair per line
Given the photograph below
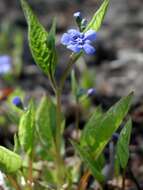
59, 159
77, 119
53, 83
58, 91
73, 59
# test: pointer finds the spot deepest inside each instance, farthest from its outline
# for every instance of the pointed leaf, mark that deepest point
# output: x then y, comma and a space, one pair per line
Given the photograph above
122, 153
98, 17
89, 161
43, 53
102, 128
10, 162
95, 118
46, 121
27, 129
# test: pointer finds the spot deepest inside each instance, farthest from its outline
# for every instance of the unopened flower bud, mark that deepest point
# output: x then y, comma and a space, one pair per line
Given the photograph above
77, 15
91, 92
17, 102
78, 18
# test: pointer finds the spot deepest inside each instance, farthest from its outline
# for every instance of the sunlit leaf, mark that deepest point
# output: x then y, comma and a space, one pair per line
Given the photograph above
41, 43
100, 129
98, 17
89, 161
46, 121
10, 162
122, 151
27, 129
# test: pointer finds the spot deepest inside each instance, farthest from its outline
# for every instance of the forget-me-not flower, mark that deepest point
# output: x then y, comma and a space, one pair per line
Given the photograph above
77, 41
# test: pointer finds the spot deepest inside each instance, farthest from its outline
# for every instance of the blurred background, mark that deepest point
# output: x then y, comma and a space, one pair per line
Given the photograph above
114, 70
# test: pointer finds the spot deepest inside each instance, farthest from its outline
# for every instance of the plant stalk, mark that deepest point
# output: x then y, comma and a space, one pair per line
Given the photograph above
73, 59
59, 159
30, 174
58, 92
13, 182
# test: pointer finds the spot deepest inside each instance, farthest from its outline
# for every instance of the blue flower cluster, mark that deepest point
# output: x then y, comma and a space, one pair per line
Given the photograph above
77, 41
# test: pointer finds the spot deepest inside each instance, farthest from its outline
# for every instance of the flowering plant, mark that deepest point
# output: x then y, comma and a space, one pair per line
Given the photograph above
38, 159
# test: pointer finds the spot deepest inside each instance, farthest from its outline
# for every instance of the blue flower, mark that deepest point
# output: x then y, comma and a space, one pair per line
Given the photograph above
77, 41
5, 64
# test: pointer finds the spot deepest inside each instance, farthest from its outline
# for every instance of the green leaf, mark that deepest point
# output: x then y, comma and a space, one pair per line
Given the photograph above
52, 49
95, 118
89, 161
98, 17
26, 130
16, 144
99, 130
122, 151
41, 44
46, 121
10, 162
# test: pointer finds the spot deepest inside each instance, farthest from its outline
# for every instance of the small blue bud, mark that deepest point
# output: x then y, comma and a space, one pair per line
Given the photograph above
77, 15
17, 102
78, 19
91, 92
115, 137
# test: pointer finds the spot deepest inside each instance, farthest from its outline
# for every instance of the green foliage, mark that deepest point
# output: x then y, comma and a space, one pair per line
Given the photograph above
122, 150
46, 121
98, 17
41, 43
89, 161
10, 162
98, 131
26, 129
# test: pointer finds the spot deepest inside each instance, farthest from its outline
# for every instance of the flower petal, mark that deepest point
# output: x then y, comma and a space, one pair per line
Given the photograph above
73, 32
65, 39
89, 49
74, 48
90, 35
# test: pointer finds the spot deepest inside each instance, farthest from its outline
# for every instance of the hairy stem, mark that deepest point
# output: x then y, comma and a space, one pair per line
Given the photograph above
13, 182
73, 59
30, 174
84, 180
58, 91
59, 160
